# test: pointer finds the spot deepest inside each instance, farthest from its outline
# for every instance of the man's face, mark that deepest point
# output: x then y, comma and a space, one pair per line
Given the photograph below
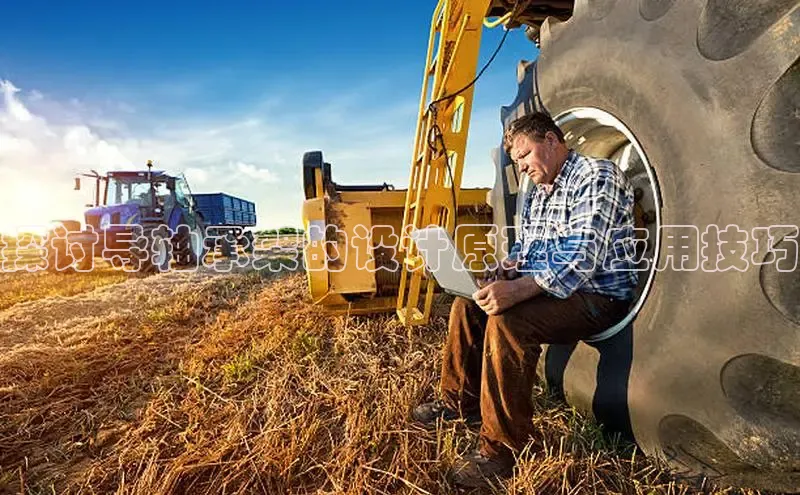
536, 159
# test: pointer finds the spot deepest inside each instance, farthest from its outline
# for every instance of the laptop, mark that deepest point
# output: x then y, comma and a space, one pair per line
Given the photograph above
444, 262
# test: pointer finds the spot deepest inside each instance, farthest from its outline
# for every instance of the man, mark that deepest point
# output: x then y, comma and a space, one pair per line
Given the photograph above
567, 277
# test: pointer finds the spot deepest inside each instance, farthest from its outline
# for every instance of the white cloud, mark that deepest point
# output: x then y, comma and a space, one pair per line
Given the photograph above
279, 159
35, 96
196, 176
253, 172
45, 142
16, 146
16, 110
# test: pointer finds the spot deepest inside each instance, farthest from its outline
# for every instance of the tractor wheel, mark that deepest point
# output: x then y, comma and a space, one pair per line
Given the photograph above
227, 245
700, 101
249, 242
190, 244
153, 251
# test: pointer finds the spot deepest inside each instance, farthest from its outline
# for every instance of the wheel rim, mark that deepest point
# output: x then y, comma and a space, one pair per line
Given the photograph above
197, 242
599, 134
160, 255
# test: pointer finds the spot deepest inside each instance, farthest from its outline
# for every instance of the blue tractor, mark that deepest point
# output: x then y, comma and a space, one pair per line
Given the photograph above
146, 218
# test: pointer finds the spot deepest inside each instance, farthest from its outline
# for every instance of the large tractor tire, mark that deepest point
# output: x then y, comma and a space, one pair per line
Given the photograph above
707, 376
248, 242
153, 251
228, 245
189, 244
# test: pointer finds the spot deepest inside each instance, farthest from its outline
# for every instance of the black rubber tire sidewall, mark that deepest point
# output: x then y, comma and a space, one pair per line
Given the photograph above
693, 118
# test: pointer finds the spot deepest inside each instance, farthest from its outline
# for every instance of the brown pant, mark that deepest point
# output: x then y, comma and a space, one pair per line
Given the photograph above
489, 362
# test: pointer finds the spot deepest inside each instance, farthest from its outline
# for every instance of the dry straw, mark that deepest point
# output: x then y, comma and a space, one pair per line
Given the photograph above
242, 387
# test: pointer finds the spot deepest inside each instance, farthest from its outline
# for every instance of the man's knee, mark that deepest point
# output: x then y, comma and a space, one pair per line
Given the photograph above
461, 306
509, 327
498, 327
512, 338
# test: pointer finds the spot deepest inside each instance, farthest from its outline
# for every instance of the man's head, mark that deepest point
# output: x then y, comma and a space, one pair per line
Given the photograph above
536, 144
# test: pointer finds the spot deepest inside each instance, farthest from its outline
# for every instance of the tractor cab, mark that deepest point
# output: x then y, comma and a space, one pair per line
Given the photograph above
144, 195
134, 188
125, 197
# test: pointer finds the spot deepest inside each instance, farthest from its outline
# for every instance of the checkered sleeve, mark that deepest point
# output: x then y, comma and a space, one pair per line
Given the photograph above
600, 202
516, 248
513, 253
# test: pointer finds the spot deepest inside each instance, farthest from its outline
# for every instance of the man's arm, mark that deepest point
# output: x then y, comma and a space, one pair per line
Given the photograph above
502, 294
600, 202
513, 253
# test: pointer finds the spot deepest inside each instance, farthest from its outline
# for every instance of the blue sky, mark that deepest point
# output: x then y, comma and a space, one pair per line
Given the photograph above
232, 95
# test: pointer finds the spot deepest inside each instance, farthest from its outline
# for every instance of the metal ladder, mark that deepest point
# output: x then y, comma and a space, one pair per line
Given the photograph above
439, 142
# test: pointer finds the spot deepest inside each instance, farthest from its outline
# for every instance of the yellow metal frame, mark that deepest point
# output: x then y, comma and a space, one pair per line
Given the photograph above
451, 64
314, 251
434, 195
349, 288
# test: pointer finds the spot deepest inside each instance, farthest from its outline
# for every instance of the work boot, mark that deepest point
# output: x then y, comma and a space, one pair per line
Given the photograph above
476, 470
429, 413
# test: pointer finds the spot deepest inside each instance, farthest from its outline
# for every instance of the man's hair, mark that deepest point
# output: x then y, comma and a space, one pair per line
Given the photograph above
534, 125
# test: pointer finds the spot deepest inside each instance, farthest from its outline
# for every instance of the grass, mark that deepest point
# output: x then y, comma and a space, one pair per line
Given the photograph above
23, 276
21, 281
62, 403
243, 387
22, 286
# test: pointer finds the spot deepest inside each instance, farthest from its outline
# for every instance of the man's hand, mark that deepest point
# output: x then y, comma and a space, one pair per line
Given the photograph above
498, 296
505, 270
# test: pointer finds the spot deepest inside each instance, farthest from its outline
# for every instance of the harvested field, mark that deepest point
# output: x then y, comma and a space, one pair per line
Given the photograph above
210, 383
22, 286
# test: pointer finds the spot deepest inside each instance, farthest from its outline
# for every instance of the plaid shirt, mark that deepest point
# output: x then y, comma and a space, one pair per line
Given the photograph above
576, 234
